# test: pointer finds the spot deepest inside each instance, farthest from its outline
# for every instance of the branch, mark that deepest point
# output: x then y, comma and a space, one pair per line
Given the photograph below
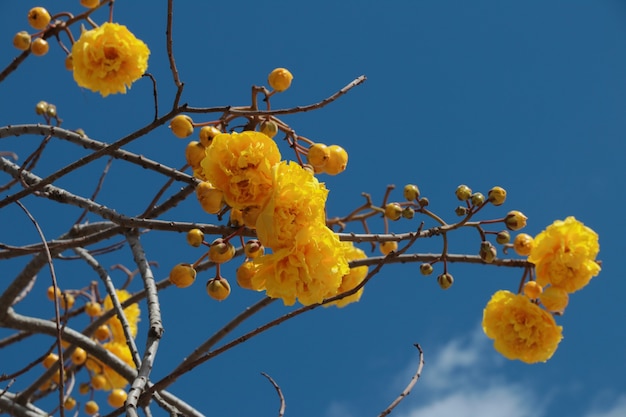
409, 387
281, 409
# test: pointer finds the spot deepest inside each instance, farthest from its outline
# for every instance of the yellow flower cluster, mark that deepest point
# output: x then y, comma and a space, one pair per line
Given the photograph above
108, 59
565, 255
118, 345
285, 203
520, 328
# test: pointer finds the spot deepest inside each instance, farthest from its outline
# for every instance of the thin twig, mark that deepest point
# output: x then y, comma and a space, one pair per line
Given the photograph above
281, 409
409, 387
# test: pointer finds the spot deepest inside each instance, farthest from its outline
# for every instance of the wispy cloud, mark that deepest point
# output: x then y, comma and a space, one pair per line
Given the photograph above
617, 409
462, 380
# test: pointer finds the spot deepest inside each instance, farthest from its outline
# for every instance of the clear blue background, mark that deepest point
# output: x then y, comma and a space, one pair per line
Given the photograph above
526, 95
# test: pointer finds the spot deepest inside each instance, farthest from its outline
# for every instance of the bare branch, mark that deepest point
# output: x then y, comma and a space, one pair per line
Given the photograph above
409, 387
281, 409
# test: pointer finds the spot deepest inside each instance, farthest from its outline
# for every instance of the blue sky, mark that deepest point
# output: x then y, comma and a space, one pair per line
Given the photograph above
527, 95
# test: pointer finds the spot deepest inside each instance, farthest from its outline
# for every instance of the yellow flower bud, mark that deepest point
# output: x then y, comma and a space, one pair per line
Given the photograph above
515, 220
554, 299
393, 211
463, 192
280, 79
497, 196
411, 192
21, 40
182, 126
523, 244
532, 290
445, 281
218, 288
182, 275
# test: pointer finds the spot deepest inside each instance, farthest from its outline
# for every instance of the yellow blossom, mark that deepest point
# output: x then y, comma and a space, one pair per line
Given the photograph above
113, 379
131, 312
352, 278
310, 271
108, 59
564, 255
240, 165
298, 200
520, 329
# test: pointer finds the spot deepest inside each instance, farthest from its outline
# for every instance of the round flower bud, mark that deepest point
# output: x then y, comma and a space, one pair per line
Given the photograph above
117, 398
50, 360
51, 110
497, 196
194, 154
93, 309
207, 133
84, 388
460, 211
102, 333
245, 272
69, 403
38, 18
218, 288
182, 126
393, 211
411, 192
39, 47
195, 237
91, 407
463, 192
269, 128
21, 40
280, 79
98, 381
250, 215
445, 281
211, 199
408, 213
318, 154
523, 244
69, 62
337, 160
66, 301
515, 220
253, 249
532, 290
182, 275
389, 246
423, 202
503, 237
554, 299
426, 269
487, 252
90, 4
52, 294
79, 356
477, 199
221, 251
41, 107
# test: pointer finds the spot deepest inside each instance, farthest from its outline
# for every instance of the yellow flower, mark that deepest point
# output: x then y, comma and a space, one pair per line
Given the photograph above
297, 201
108, 59
352, 278
240, 165
520, 329
113, 379
310, 271
564, 255
132, 316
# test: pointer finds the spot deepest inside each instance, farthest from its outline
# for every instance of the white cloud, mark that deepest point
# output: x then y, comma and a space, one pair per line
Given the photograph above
462, 381
490, 402
616, 410
337, 409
